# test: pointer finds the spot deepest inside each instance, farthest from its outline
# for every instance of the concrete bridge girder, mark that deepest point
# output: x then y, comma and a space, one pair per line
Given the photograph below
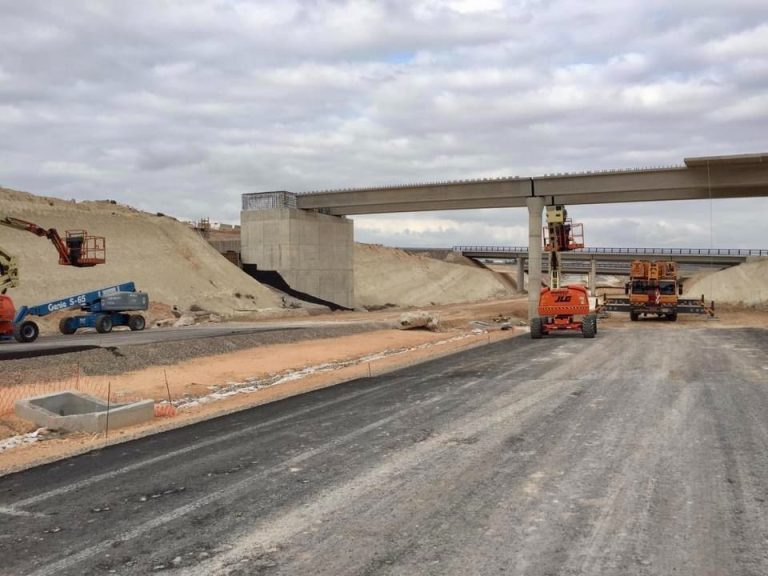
741, 176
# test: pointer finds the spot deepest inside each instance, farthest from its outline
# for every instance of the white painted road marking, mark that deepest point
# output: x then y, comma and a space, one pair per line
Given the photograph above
11, 511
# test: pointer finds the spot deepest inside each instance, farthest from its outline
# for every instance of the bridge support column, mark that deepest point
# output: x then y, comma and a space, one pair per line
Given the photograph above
593, 277
535, 209
520, 274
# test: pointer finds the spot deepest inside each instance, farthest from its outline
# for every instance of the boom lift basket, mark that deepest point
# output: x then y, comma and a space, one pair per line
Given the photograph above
85, 250
564, 238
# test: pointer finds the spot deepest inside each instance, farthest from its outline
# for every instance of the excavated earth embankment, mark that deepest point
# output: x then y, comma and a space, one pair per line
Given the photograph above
163, 256
391, 277
745, 284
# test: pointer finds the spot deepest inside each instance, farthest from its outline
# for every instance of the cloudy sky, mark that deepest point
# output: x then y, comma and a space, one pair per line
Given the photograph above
181, 106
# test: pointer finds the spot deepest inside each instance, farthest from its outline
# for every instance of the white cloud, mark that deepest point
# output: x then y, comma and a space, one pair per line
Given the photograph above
476, 6
752, 42
751, 108
70, 169
182, 106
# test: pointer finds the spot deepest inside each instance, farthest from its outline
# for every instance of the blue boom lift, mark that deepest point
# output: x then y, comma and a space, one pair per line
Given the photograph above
102, 309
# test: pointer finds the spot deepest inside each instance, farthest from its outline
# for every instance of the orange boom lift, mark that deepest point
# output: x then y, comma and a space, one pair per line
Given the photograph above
562, 307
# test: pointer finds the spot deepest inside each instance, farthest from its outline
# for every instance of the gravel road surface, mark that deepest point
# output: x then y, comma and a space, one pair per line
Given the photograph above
640, 452
118, 353
88, 340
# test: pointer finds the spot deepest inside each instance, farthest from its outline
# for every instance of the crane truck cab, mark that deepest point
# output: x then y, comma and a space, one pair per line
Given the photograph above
653, 289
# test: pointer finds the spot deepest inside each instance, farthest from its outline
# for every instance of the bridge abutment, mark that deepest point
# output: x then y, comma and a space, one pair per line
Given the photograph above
313, 252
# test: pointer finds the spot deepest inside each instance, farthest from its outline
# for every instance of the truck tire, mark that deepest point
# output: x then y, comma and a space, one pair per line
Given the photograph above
589, 326
672, 317
634, 316
27, 331
67, 326
136, 322
103, 323
537, 328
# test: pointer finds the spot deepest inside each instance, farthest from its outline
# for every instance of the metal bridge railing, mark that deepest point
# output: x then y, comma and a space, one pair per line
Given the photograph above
738, 252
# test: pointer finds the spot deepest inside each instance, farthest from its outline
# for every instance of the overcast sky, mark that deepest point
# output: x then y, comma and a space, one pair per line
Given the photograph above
181, 106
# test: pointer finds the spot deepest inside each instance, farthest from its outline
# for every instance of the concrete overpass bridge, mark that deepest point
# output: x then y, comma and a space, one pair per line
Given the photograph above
298, 234
613, 261
593, 261
710, 256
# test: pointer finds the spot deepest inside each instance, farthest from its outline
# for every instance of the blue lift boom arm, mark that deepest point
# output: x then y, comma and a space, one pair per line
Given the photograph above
85, 301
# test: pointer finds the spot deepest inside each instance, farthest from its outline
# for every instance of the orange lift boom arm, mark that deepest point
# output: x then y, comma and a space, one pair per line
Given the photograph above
77, 248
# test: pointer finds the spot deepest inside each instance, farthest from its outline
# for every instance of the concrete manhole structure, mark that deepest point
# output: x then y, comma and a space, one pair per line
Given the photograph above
78, 412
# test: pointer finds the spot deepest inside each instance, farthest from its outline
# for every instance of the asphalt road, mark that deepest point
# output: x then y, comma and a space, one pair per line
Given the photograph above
639, 452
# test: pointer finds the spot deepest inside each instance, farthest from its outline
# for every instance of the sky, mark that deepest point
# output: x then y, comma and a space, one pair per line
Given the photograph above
182, 106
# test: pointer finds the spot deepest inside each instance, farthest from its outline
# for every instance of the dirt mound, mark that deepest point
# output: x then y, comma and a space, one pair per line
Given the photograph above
388, 276
745, 284
162, 256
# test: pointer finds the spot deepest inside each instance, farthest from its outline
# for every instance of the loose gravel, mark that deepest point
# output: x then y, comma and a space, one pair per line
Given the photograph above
122, 359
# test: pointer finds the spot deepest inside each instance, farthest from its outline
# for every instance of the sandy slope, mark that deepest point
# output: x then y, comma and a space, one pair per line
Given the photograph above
744, 284
164, 257
391, 276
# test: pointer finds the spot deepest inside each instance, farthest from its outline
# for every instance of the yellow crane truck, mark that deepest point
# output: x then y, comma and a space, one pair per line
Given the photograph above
653, 290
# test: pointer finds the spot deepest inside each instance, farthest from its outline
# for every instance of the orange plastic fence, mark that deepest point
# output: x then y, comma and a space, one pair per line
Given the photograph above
98, 387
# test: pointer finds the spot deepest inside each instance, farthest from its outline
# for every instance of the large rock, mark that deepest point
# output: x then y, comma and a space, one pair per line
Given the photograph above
419, 319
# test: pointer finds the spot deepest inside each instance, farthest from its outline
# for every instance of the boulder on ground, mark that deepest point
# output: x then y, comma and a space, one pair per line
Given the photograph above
419, 319
185, 320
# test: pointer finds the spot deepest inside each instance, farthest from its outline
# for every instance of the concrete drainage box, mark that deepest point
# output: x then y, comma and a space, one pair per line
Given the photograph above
78, 412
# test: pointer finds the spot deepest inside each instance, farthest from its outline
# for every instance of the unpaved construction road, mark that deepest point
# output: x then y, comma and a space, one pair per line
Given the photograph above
639, 452
88, 340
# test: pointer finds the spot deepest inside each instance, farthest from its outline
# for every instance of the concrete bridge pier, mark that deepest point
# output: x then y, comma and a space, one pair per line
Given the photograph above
593, 276
520, 274
535, 209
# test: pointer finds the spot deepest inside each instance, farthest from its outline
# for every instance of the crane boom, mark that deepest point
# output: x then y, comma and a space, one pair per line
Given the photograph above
77, 248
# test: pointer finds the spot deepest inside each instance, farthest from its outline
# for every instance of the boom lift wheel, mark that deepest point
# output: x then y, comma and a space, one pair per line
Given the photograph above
27, 331
67, 326
537, 329
634, 316
672, 317
136, 322
103, 323
589, 326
